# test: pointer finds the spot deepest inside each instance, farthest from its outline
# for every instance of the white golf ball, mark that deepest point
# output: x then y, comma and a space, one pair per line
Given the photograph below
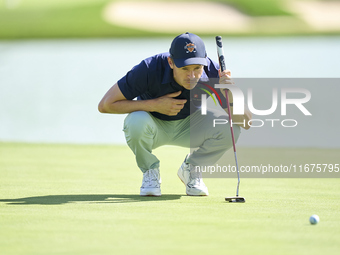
314, 219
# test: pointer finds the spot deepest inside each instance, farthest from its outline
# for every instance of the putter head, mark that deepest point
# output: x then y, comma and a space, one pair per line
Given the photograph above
235, 199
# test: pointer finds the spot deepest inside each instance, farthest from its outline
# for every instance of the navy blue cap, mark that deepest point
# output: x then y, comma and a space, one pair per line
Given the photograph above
188, 49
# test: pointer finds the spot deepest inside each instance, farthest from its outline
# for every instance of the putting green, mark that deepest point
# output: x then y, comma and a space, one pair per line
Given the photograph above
82, 199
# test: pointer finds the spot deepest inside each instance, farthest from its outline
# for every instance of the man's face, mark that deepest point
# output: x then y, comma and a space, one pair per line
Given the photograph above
186, 76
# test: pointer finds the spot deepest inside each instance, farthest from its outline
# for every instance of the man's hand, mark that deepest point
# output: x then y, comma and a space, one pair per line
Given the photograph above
225, 78
168, 105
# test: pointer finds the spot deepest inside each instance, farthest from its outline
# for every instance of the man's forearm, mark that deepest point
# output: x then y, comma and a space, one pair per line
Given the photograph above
128, 106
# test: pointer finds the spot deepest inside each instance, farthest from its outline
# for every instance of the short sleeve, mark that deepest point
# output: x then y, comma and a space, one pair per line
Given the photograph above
135, 82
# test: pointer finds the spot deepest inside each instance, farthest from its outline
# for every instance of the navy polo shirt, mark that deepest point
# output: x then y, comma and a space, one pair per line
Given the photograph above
153, 78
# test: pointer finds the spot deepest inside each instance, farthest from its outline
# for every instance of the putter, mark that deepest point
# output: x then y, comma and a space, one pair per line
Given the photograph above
237, 198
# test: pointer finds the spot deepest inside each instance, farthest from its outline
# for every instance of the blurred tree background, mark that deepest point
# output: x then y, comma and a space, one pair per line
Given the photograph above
84, 18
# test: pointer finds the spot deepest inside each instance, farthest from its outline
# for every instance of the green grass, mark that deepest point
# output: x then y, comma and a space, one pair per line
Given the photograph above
259, 7
80, 19
82, 199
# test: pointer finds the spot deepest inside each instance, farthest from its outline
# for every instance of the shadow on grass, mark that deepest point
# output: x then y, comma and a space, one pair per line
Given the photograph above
85, 198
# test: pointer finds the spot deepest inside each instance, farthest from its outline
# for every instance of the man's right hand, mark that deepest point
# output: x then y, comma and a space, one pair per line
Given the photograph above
115, 102
168, 105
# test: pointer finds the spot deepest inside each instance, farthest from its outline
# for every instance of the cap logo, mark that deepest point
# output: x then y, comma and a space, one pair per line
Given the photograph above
190, 47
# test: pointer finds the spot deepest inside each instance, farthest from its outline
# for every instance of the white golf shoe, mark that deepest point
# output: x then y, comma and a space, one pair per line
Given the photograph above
151, 185
192, 180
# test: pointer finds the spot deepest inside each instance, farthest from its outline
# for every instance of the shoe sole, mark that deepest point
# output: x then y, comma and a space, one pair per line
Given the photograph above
150, 194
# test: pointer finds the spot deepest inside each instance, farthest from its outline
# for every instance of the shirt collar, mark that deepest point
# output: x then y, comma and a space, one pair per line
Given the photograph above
168, 76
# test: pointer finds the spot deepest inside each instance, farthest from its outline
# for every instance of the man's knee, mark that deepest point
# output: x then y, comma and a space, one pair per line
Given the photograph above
222, 129
138, 123
237, 132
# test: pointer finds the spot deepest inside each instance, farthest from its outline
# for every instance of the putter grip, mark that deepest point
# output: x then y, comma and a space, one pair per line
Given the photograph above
220, 53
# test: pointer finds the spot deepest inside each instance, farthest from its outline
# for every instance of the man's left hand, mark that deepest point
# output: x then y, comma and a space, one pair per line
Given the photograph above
225, 78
